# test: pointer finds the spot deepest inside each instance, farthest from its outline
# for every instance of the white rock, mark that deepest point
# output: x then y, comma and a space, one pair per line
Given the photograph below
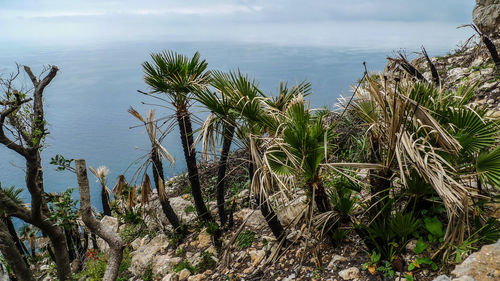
184, 274
179, 204
144, 254
291, 211
204, 239
255, 219
256, 256
457, 73
336, 259
164, 263
477, 62
194, 259
169, 277
111, 223
411, 245
197, 277
349, 273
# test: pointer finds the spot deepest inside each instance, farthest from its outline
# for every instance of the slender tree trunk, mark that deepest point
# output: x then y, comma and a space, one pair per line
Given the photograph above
221, 173
105, 202
165, 204
186, 132
12, 255
114, 241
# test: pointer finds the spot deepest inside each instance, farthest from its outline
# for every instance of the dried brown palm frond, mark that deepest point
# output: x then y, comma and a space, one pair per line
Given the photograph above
162, 195
121, 181
208, 137
146, 190
407, 137
131, 200
153, 132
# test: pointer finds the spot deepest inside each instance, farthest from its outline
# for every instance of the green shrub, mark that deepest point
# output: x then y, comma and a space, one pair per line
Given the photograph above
184, 264
207, 262
245, 239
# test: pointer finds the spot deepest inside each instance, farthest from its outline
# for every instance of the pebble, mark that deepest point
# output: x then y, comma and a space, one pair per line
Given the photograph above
349, 273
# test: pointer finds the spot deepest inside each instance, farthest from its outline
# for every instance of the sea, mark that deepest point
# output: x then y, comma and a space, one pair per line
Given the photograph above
86, 104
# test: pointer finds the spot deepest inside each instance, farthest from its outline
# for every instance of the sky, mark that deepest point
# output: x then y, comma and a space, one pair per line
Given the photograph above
341, 23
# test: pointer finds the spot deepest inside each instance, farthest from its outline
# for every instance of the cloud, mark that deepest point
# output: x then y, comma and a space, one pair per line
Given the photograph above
318, 22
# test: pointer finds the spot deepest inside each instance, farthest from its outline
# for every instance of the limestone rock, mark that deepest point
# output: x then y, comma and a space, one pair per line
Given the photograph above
144, 254
292, 210
255, 219
486, 15
349, 273
204, 239
184, 274
483, 265
164, 263
197, 277
112, 223
335, 260
170, 277
256, 256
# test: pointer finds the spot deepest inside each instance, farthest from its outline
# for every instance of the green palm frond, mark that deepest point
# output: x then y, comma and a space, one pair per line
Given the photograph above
473, 132
488, 166
176, 75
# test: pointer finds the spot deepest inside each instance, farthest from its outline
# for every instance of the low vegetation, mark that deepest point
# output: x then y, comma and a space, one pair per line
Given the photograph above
408, 167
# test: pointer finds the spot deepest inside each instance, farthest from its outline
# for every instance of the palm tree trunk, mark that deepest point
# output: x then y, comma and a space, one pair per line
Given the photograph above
71, 249
493, 52
165, 204
221, 173
13, 233
320, 197
12, 255
271, 218
105, 202
186, 132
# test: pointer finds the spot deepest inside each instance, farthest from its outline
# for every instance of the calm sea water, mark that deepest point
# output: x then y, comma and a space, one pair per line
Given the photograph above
86, 104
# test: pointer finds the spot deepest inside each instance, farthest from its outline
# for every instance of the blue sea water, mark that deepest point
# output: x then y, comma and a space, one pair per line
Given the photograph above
86, 104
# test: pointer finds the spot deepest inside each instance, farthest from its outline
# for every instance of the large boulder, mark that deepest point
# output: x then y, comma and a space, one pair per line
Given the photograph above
483, 265
292, 210
145, 254
486, 16
112, 223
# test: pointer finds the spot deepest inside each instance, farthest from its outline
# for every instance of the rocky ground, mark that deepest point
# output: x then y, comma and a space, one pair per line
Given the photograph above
250, 251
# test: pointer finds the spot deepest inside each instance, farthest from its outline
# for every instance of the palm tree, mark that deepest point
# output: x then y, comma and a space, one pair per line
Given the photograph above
14, 194
309, 142
177, 76
222, 120
101, 173
420, 132
158, 152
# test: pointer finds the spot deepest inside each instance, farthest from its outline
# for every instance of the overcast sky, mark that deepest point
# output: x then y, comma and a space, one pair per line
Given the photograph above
352, 23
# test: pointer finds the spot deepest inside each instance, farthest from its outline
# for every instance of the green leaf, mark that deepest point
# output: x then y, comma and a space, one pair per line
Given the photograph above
420, 246
434, 226
488, 166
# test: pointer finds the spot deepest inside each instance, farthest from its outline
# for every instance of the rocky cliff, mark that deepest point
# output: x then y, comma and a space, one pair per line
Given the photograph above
486, 16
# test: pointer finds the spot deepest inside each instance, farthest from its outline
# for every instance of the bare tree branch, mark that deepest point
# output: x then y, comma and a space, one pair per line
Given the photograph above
112, 238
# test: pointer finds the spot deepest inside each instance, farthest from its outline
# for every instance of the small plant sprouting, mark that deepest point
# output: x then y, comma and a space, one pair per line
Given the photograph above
245, 239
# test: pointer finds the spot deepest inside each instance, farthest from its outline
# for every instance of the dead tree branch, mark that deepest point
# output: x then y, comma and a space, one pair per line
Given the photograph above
112, 238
